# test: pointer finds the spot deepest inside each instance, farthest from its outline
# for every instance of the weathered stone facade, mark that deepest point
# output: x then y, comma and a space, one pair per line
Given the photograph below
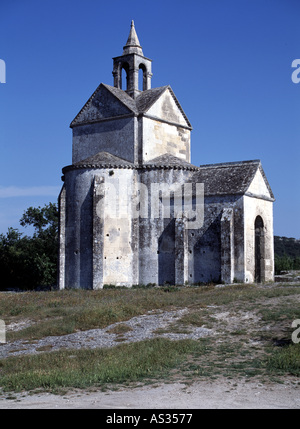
123, 202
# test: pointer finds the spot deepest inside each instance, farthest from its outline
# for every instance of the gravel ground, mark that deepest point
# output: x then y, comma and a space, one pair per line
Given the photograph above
139, 328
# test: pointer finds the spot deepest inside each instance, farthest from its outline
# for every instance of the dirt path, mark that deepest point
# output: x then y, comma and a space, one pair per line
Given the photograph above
221, 394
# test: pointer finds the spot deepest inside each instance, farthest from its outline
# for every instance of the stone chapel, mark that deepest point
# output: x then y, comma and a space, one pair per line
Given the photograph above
122, 204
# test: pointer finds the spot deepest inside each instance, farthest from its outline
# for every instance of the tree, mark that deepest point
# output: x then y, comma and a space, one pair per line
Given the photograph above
28, 262
287, 254
45, 222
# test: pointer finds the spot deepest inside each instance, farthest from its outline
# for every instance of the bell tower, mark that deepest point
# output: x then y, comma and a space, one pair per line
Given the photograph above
132, 61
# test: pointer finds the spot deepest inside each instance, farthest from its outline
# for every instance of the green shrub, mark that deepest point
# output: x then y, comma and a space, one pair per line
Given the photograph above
286, 359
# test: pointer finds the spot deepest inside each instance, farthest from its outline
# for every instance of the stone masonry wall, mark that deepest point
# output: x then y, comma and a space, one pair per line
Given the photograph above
116, 136
254, 207
165, 130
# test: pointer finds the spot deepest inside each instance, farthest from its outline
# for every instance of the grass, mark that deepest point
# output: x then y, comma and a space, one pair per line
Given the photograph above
292, 312
122, 328
229, 360
286, 360
85, 368
239, 348
64, 312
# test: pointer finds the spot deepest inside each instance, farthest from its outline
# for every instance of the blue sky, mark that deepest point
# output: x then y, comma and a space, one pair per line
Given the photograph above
228, 62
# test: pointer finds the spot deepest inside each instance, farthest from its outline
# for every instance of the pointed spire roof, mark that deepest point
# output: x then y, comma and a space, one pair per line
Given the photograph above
133, 45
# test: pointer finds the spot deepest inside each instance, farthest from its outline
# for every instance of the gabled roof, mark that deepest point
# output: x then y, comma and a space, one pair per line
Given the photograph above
103, 158
126, 101
107, 160
123, 97
169, 161
230, 178
138, 106
100, 160
147, 98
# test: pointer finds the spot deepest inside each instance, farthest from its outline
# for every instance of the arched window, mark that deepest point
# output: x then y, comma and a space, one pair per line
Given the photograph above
259, 224
259, 250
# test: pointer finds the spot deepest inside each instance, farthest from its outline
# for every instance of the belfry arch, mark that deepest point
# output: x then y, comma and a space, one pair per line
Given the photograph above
143, 80
124, 75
